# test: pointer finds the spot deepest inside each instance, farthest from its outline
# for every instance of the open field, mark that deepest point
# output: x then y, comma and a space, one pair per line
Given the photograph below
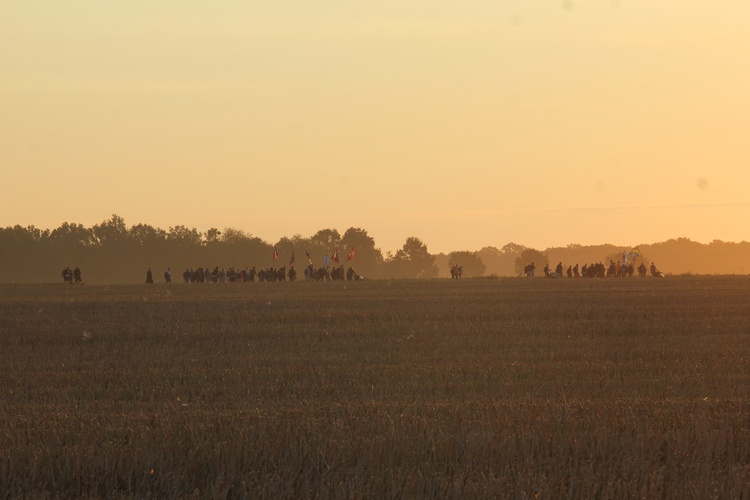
479, 388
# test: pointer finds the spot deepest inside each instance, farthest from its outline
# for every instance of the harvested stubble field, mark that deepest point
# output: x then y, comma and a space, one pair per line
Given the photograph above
479, 388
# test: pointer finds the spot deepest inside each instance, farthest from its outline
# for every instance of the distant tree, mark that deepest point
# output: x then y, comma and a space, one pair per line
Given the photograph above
73, 235
212, 235
111, 233
185, 236
323, 243
145, 235
529, 256
234, 236
367, 258
471, 262
412, 261
69, 244
513, 248
237, 248
501, 261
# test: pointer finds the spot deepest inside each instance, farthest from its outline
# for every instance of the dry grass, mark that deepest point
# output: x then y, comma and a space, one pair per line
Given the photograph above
480, 388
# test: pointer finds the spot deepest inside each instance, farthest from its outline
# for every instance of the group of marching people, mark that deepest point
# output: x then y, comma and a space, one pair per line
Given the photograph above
251, 274
599, 270
232, 275
313, 273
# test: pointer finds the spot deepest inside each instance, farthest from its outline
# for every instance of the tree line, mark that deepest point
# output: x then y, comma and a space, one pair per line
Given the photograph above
112, 252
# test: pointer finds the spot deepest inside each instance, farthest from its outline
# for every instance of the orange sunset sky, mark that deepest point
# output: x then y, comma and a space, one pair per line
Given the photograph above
466, 124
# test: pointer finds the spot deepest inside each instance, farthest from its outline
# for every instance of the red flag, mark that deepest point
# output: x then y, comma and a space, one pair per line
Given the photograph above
335, 256
351, 254
275, 253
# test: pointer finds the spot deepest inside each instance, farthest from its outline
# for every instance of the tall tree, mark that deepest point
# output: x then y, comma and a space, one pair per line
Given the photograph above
367, 258
185, 236
470, 261
111, 232
412, 261
323, 243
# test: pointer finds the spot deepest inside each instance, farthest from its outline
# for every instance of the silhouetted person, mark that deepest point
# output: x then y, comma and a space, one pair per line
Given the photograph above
77, 275
149, 276
655, 272
168, 275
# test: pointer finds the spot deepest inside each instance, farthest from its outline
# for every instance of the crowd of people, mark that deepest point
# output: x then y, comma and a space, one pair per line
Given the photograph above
251, 274
311, 273
598, 270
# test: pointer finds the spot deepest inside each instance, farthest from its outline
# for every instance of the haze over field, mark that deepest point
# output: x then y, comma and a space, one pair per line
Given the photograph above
467, 124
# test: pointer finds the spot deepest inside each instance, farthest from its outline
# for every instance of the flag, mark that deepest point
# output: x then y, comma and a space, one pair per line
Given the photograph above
351, 254
634, 253
335, 256
325, 261
624, 258
291, 262
275, 253
309, 259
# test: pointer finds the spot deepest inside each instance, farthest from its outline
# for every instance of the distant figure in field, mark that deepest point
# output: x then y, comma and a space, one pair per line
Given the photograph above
576, 273
460, 271
642, 270
77, 275
611, 271
529, 270
559, 269
546, 270
149, 276
570, 271
168, 275
67, 275
655, 272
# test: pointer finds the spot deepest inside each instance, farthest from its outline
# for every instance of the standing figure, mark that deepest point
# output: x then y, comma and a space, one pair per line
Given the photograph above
149, 276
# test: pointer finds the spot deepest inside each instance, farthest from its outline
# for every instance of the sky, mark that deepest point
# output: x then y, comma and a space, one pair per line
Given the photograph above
465, 123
